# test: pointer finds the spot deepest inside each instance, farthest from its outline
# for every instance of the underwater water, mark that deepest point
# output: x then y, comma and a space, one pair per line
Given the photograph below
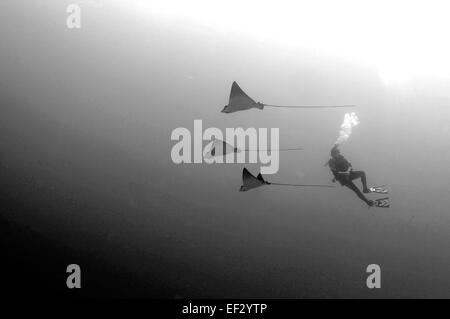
87, 176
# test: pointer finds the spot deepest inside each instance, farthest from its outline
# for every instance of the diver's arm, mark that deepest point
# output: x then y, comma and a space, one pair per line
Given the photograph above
349, 169
334, 176
349, 165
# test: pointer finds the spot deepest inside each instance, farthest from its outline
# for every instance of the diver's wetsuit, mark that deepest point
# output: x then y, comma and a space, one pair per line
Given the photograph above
340, 164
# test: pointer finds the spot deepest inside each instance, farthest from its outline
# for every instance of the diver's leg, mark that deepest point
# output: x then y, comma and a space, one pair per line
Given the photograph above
358, 193
360, 174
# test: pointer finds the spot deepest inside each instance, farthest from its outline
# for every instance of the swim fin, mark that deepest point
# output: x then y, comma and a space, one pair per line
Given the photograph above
382, 202
379, 189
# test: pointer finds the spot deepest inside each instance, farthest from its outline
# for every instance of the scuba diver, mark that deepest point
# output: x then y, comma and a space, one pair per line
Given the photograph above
344, 173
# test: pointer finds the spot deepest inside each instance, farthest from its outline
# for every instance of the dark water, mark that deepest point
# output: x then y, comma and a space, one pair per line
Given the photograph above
87, 178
